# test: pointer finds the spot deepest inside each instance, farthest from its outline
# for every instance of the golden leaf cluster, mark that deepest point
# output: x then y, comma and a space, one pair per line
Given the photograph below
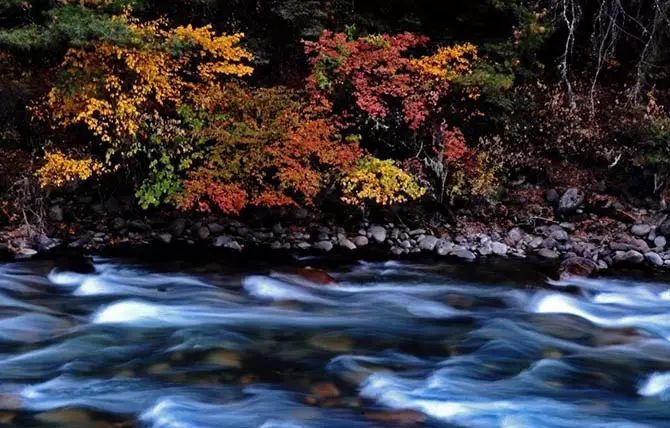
110, 88
448, 62
381, 182
59, 169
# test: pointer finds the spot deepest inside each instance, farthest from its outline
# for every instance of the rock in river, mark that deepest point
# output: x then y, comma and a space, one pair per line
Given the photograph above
577, 266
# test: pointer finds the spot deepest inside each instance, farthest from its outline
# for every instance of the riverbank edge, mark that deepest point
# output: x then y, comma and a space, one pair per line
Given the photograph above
582, 242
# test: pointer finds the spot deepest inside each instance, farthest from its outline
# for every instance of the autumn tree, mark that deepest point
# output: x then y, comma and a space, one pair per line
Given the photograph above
404, 104
267, 147
126, 95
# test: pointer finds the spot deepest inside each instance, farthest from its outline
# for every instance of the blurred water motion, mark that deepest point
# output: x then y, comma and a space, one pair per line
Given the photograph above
386, 344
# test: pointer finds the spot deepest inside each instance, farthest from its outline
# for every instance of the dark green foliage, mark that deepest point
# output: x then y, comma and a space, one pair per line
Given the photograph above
65, 25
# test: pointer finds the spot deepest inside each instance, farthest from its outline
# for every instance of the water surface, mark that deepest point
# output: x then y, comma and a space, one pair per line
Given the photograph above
251, 344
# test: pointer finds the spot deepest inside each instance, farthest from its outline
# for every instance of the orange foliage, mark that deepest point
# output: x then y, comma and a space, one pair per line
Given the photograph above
268, 146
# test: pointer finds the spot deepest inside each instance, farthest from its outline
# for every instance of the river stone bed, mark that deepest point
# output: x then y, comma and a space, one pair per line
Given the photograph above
605, 243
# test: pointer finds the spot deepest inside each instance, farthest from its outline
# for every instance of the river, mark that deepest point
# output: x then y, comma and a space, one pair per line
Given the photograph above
252, 343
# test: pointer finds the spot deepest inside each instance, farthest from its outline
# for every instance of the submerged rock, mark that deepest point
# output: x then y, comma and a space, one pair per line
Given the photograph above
224, 358
332, 343
325, 390
316, 276
397, 417
577, 266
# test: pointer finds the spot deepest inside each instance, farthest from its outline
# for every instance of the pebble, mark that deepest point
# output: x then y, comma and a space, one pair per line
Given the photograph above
332, 343
215, 228
559, 235
552, 196
548, 254
178, 226
346, 243
361, 241
303, 245
203, 232
56, 213
324, 246
640, 230
118, 223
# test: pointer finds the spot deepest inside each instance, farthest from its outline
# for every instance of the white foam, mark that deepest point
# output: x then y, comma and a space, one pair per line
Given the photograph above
66, 278
128, 312
654, 385
272, 289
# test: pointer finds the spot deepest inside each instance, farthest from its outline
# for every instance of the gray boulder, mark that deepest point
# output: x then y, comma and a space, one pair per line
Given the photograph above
443, 247
378, 233
465, 255
499, 248
548, 254
653, 259
324, 246
629, 257
428, 243
346, 243
361, 241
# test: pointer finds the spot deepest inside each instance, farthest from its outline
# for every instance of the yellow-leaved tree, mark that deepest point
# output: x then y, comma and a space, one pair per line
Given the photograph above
117, 92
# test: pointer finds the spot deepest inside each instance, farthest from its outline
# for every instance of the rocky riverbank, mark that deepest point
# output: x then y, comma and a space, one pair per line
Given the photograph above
584, 242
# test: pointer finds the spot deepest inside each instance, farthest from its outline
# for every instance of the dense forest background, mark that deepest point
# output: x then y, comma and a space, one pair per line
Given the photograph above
207, 105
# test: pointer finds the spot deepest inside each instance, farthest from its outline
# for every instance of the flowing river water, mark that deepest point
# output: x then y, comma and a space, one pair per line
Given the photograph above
253, 344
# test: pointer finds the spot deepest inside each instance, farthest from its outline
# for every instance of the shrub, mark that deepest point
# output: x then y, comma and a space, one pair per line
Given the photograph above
266, 147
380, 182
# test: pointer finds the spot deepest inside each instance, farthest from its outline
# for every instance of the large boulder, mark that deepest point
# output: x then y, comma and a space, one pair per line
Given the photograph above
571, 200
